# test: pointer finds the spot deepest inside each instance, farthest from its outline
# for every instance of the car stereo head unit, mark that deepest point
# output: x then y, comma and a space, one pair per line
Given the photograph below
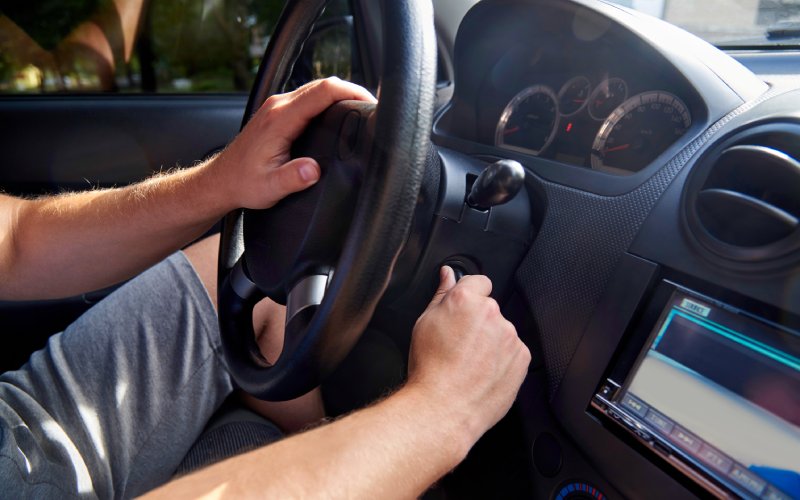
715, 391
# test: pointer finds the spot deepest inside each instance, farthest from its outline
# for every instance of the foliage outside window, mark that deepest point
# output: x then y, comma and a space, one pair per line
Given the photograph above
160, 46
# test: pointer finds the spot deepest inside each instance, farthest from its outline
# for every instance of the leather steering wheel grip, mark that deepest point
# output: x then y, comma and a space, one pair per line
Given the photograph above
383, 213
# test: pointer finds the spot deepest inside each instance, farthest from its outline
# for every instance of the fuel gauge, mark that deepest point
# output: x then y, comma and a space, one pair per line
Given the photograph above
606, 97
574, 95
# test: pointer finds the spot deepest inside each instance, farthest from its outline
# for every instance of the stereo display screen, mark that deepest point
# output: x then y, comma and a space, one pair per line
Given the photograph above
722, 389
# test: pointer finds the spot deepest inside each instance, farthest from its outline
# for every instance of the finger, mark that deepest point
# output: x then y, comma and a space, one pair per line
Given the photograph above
334, 89
314, 98
447, 280
477, 283
293, 176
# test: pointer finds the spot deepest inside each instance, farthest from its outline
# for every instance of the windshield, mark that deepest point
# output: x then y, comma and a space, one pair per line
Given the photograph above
729, 23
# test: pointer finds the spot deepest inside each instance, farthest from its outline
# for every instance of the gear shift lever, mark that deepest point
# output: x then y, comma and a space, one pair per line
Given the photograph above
497, 184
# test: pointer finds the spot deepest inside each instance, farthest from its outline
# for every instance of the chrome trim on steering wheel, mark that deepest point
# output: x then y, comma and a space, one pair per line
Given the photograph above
242, 285
306, 293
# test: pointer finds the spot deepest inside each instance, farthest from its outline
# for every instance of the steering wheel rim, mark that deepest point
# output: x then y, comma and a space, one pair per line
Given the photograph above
383, 212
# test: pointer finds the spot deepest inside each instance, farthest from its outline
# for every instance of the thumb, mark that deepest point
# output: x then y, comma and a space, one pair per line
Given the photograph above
293, 176
447, 280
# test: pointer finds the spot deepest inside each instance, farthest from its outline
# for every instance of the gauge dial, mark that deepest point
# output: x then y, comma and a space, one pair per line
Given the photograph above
638, 131
606, 97
574, 95
529, 121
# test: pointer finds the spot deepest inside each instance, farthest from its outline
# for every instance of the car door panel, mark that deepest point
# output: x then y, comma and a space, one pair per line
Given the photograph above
76, 142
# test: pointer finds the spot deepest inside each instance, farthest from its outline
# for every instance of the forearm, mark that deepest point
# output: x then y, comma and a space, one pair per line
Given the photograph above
68, 244
394, 449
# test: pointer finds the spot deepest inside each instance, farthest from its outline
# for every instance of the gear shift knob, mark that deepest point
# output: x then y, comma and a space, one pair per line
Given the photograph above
497, 184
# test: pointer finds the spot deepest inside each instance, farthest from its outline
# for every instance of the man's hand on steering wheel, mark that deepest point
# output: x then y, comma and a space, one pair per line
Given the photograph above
255, 170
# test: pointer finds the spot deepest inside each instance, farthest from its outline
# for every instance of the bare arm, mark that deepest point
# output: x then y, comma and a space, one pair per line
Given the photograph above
394, 449
467, 364
68, 244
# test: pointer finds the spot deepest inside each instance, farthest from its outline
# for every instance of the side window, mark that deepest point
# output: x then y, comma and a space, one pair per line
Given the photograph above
330, 50
162, 46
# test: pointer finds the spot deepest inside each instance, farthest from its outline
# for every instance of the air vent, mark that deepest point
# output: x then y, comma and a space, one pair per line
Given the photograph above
743, 198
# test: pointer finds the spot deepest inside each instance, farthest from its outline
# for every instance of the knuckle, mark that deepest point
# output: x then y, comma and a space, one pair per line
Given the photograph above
521, 346
459, 295
272, 102
525, 360
509, 326
300, 94
508, 335
492, 307
484, 279
478, 280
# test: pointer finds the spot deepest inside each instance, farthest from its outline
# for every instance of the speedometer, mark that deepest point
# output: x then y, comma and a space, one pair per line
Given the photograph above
529, 121
638, 131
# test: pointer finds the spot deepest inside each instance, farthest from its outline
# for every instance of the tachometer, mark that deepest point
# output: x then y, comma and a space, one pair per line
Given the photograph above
574, 95
529, 121
638, 131
606, 97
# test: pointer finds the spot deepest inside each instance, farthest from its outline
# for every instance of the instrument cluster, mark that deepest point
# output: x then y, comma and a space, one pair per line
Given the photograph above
597, 123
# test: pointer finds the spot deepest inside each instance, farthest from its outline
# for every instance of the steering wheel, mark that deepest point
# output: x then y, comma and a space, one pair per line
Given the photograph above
328, 252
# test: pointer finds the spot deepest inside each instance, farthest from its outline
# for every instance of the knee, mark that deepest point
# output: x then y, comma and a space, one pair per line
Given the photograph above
203, 257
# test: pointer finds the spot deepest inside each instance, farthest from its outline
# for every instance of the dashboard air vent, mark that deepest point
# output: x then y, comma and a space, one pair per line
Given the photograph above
742, 200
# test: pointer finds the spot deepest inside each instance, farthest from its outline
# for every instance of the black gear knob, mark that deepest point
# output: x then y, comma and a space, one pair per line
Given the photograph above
497, 184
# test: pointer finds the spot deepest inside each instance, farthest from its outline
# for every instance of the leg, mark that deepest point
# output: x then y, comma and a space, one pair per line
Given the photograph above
268, 322
112, 404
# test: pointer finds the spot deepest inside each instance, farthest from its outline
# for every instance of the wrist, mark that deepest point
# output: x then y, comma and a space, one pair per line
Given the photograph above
216, 186
454, 428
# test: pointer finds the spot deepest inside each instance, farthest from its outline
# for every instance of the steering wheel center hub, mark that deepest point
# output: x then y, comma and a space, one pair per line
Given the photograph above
303, 234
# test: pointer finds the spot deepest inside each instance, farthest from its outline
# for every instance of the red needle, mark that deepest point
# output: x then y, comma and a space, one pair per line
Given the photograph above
510, 130
618, 148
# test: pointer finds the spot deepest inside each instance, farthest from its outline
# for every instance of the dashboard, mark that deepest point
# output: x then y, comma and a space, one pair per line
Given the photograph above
662, 276
585, 103
572, 92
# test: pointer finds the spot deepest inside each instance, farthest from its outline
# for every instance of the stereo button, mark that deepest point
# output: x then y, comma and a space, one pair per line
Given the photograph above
659, 422
635, 405
773, 494
715, 459
685, 439
747, 480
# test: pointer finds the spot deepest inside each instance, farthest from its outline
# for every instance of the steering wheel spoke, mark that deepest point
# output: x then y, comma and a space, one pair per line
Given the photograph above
242, 285
240, 295
308, 292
